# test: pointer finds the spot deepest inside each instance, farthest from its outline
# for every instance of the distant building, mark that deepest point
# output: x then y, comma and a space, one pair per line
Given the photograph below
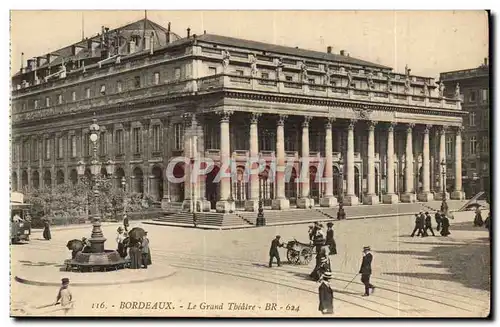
474, 93
380, 132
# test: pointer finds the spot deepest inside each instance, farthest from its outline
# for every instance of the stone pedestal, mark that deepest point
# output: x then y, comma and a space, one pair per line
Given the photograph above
350, 200
457, 195
165, 203
252, 205
425, 197
390, 198
201, 205
408, 198
371, 199
305, 203
439, 196
280, 204
205, 205
225, 206
328, 202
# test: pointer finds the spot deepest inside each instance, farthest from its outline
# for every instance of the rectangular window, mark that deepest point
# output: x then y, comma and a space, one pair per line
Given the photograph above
102, 144
136, 137
35, 104
24, 153
212, 71
288, 78
239, 72
472, 119
47, 102
119, 141
35, 150
311, 81
179, 136
73, 96
472, 96
47, 149
484, 95
137, 82
103, 89
485, 144
87, 93
60, 147
23, 107
59, 99
72, 145
449, 146
265, 75
177, 73
156, 78
473, 144
118, 86
156, 138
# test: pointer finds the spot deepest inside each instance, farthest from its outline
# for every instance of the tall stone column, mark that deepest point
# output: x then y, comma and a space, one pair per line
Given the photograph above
458, 194
280, 202
426, 194
409, 195
442, 159
305, 202
371, 197
328, 200
350, 199
390, 197
224, 205
252, 204
188, 124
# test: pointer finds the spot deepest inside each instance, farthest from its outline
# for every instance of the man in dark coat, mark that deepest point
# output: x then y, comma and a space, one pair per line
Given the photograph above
135, 255
341, 212
273, 251
438, 220
478, 219
325, 293
487, 225
319, 238
418, 226
366, 270
46, 230
428, 223
330, 241
445, 225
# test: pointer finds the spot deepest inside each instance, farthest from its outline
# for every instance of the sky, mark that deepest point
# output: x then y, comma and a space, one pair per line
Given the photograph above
429, 42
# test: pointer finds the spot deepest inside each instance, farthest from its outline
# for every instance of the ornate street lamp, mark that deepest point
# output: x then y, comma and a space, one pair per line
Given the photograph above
124, 183
444, 205
341, 173
80, 168
261, 220
110, 167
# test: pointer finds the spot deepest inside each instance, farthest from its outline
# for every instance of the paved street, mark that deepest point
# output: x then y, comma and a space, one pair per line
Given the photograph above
433, 276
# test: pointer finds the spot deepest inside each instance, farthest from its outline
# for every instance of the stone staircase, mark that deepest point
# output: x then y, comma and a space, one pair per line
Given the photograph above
212, 219
293, 215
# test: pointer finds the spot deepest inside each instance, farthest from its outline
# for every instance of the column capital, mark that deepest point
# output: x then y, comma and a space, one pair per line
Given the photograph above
281, 120
442, 129
352, 122
224, 115
329, 121
427, 128
306, 121
255, 117
372, 124
189, 118
392, 124
410, 127
459, 130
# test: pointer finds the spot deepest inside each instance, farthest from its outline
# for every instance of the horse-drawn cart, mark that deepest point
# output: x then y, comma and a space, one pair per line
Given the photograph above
299, 253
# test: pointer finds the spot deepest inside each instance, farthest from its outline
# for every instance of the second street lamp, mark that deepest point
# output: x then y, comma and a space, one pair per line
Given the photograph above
444, 205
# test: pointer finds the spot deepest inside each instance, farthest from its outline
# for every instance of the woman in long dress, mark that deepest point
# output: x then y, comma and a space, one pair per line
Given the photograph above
135, 256
330, 241
478, 220
46, 230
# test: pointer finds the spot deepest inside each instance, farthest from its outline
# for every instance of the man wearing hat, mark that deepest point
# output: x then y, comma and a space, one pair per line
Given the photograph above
125, 222
366, 270
64, 296
119, 240
330, 241
428, 224
273, 251
146, 254
321, 268
419, 226
325, 293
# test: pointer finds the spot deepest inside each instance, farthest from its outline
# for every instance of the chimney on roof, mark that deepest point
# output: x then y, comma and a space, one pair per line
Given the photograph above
22, 59
486, 61
329, 49
151, 43
205, 32
188, 32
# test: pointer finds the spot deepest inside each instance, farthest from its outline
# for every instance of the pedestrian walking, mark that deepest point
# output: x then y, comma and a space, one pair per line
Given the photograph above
428, 223
273, 251
478, 219
366, 270
325, 293
323, 266
418, 226
145, 253
439, 220
487, 225
135, 255
319, 238
64, 296
46, 230
330, 241
125, 222
119, 240
445, 225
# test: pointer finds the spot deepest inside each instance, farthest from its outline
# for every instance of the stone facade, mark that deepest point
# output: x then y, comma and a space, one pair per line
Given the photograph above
378, 131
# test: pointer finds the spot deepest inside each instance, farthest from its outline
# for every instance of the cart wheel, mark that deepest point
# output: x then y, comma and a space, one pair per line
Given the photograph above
305, 256
293, 256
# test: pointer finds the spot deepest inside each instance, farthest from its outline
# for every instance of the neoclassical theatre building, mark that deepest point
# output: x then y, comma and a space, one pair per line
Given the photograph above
156, 94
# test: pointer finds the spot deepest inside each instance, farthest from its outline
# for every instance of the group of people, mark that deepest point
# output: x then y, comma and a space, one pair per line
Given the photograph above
423, 224
478, 221
137, 250
325, 246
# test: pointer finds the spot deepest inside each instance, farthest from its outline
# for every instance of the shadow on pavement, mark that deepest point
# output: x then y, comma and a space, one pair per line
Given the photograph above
40, 264
467, 263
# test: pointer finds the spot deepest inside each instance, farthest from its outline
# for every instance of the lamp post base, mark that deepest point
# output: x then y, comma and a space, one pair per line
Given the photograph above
350, 200
390, 198
408, 198
439, 196
280, 204
371, 199
328, 202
